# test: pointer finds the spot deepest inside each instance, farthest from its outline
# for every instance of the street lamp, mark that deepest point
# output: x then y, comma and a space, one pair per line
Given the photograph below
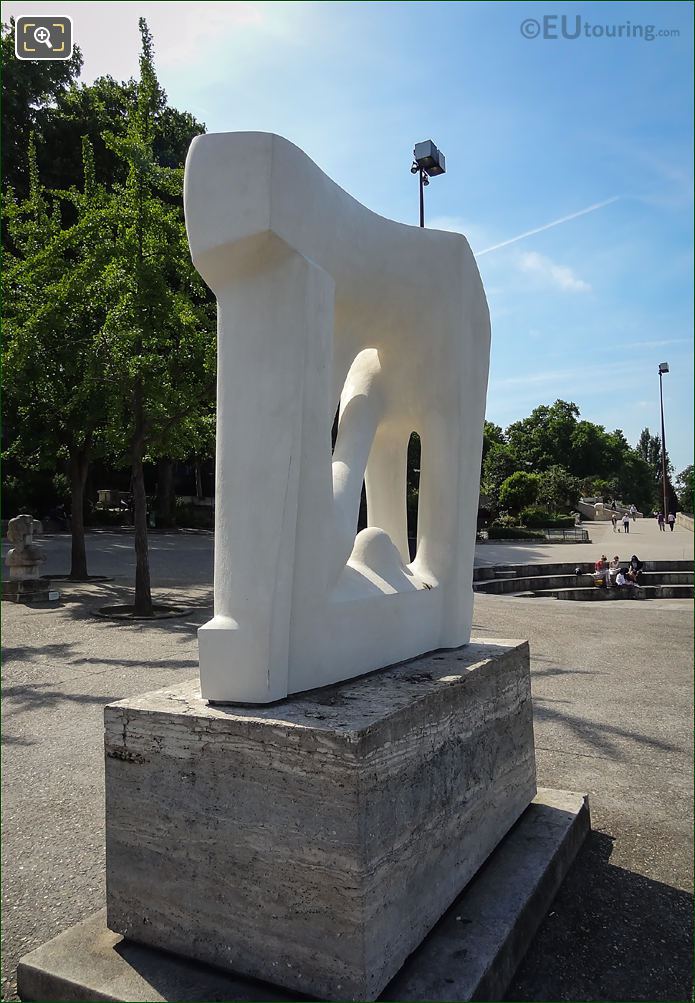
663, 368
428, 162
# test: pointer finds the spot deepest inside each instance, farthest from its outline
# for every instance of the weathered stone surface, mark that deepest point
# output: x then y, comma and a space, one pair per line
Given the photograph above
25, 559
471, 954
315, 843
28, 590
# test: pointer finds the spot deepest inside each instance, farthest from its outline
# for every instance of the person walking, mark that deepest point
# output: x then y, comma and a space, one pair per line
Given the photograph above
633, 513
660, 520
614, 520
671, 520
626, 523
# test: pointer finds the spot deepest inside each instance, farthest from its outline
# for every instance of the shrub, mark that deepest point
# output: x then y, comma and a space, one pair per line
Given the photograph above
194, 516
536, 516
30, 491
505, 520
496, 532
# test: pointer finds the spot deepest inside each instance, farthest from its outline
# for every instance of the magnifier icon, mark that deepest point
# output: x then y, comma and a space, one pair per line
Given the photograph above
43, 36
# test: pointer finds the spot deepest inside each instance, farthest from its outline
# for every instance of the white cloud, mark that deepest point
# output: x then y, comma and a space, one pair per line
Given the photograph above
557, 275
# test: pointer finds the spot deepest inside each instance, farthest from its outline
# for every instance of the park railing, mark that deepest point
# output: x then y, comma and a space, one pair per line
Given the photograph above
552, 534
575, 534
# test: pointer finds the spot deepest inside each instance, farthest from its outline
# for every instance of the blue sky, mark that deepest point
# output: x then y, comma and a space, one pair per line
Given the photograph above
534, 130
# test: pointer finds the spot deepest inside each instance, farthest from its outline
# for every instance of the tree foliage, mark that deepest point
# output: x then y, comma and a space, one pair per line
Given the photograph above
685, 485
492, 436
572, 455
500, 463
545, 437
111, 331
29, 90
159, 319
53, 350
519, 490
558, 489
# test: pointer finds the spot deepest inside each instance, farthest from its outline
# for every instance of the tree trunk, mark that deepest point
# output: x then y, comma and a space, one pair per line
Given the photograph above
79, 465
165, 492
143, 593
198, 479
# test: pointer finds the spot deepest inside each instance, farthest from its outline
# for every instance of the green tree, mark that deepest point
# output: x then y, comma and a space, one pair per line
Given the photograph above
519, 490
53, 354
107, 106
593, 451
492, 436
558, 489
159, 321
29, 89
545, 437
499, 464
635, 484
649, 448
685, 484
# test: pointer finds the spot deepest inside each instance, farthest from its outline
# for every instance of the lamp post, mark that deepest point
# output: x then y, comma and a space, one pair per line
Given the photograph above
663, 368
428, 162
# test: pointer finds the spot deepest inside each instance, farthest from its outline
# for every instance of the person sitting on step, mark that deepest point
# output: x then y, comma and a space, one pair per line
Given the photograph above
601, 571
622, 581
634, 572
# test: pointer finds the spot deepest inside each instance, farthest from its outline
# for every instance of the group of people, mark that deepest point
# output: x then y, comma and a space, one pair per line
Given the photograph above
671, 519
630, 514
613, 575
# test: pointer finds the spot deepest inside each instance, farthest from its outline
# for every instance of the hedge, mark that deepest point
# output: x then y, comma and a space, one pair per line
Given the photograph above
513, 533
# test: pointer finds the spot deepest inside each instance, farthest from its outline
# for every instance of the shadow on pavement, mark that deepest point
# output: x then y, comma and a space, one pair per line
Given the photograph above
600, 735
611, 934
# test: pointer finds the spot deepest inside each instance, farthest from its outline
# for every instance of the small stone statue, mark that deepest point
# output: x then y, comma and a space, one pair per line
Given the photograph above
25, 559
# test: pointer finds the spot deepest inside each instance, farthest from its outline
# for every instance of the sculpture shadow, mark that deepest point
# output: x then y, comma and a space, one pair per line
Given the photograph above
611, 934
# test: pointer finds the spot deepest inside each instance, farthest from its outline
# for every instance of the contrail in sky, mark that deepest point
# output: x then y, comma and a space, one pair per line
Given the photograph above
555, 222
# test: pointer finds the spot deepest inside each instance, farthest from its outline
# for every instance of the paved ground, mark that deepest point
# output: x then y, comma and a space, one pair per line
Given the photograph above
613, 711
112, 553
644, 539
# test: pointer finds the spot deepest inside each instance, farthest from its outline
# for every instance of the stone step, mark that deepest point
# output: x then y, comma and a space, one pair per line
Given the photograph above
504, 586
486, 573
594, 594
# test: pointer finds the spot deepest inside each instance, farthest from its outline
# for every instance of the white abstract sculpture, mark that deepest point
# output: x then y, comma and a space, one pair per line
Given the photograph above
321, 301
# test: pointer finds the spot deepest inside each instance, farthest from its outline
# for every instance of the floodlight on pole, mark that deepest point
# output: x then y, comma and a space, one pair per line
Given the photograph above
663, 368
428, 162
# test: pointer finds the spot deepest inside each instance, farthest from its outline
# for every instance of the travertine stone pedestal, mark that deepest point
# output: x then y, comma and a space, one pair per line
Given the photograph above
315, 842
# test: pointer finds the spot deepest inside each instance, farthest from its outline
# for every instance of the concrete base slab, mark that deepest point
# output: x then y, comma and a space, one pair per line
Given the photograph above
471, 954
314, 843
